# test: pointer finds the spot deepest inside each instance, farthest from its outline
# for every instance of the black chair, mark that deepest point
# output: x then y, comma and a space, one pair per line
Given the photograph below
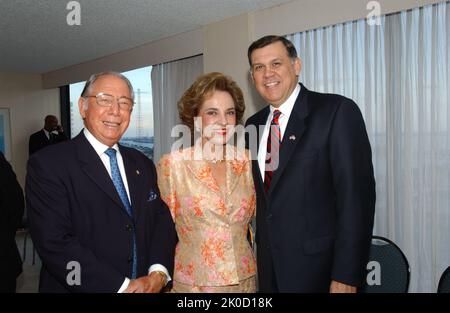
387, 270
444, 282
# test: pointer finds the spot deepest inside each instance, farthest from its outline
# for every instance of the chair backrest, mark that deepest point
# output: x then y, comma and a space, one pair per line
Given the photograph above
387, 270
444, 282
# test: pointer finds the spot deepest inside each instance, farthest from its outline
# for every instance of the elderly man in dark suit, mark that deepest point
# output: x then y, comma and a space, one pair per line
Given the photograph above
11, 211
94, 208
46, 136
313, 177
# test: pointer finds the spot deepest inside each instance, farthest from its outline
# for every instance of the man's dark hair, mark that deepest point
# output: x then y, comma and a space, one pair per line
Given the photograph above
267, 40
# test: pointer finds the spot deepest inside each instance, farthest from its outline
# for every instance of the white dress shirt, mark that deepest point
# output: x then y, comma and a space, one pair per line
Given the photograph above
285, 109
100, 148
47, 134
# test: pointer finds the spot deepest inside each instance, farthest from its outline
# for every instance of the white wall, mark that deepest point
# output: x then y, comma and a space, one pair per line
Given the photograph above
28, 103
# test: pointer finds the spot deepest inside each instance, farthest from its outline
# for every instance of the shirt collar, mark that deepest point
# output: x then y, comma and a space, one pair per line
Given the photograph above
99, 147
288, 105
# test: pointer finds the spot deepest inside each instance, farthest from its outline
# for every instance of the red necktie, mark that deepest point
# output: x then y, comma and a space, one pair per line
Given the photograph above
273, 149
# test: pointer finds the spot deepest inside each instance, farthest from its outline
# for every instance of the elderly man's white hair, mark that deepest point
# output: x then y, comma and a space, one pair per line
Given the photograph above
94, 77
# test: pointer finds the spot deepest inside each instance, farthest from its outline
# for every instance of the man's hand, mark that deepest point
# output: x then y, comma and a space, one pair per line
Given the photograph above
337, 287
152, 283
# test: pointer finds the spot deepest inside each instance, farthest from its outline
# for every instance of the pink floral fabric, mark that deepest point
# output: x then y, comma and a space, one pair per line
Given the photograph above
211, 220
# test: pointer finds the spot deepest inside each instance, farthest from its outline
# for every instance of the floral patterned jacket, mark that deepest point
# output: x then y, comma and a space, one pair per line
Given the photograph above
211, 221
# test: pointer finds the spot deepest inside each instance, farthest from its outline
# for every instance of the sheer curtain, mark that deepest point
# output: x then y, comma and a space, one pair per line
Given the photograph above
399, 74
169, 81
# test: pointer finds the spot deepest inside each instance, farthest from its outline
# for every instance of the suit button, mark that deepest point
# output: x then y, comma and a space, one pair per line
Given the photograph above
130, 259
269, 217
128, 227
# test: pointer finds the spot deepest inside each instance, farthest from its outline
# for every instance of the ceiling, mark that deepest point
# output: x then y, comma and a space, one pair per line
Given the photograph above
35, 36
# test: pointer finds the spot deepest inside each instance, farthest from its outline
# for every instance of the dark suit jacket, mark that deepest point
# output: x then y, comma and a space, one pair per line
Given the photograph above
11, 211
39, 140
75, 214
315, 223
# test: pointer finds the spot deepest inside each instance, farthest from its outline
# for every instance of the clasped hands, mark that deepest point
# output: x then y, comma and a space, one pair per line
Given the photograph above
152, 283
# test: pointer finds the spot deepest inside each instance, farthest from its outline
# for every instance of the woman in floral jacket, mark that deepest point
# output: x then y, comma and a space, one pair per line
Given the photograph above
209, 190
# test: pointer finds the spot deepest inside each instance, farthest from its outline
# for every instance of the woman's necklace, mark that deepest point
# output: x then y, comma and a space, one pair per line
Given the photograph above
217, 161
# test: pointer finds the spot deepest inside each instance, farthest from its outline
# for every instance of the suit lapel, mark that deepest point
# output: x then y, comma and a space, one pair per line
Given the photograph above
294, 131
134, 175
94, 168
44, 139
259, 124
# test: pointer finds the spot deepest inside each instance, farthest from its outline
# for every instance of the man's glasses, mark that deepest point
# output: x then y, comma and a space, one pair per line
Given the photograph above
107, 101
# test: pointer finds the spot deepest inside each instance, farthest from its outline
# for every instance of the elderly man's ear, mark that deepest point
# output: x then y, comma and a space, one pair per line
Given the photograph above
82, 106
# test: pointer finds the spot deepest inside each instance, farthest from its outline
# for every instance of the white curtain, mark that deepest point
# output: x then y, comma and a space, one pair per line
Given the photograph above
399, 74
169, 81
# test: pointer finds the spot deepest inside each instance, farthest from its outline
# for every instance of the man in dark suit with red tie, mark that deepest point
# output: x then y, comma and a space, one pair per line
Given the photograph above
94, 208
313, 177
47, 135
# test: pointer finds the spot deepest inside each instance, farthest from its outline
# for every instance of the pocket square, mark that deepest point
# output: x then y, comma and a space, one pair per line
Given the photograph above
152, 196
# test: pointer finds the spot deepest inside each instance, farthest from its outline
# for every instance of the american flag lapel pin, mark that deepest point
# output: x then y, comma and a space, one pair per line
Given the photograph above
152, 196
292, 137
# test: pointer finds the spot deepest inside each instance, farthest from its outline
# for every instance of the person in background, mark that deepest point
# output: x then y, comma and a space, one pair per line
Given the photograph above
51, 133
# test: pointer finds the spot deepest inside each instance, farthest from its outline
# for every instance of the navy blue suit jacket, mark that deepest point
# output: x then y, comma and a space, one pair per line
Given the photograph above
315, 223
76, 214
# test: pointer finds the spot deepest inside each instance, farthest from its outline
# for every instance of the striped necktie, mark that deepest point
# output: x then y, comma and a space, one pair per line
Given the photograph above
120, 187
273, 149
